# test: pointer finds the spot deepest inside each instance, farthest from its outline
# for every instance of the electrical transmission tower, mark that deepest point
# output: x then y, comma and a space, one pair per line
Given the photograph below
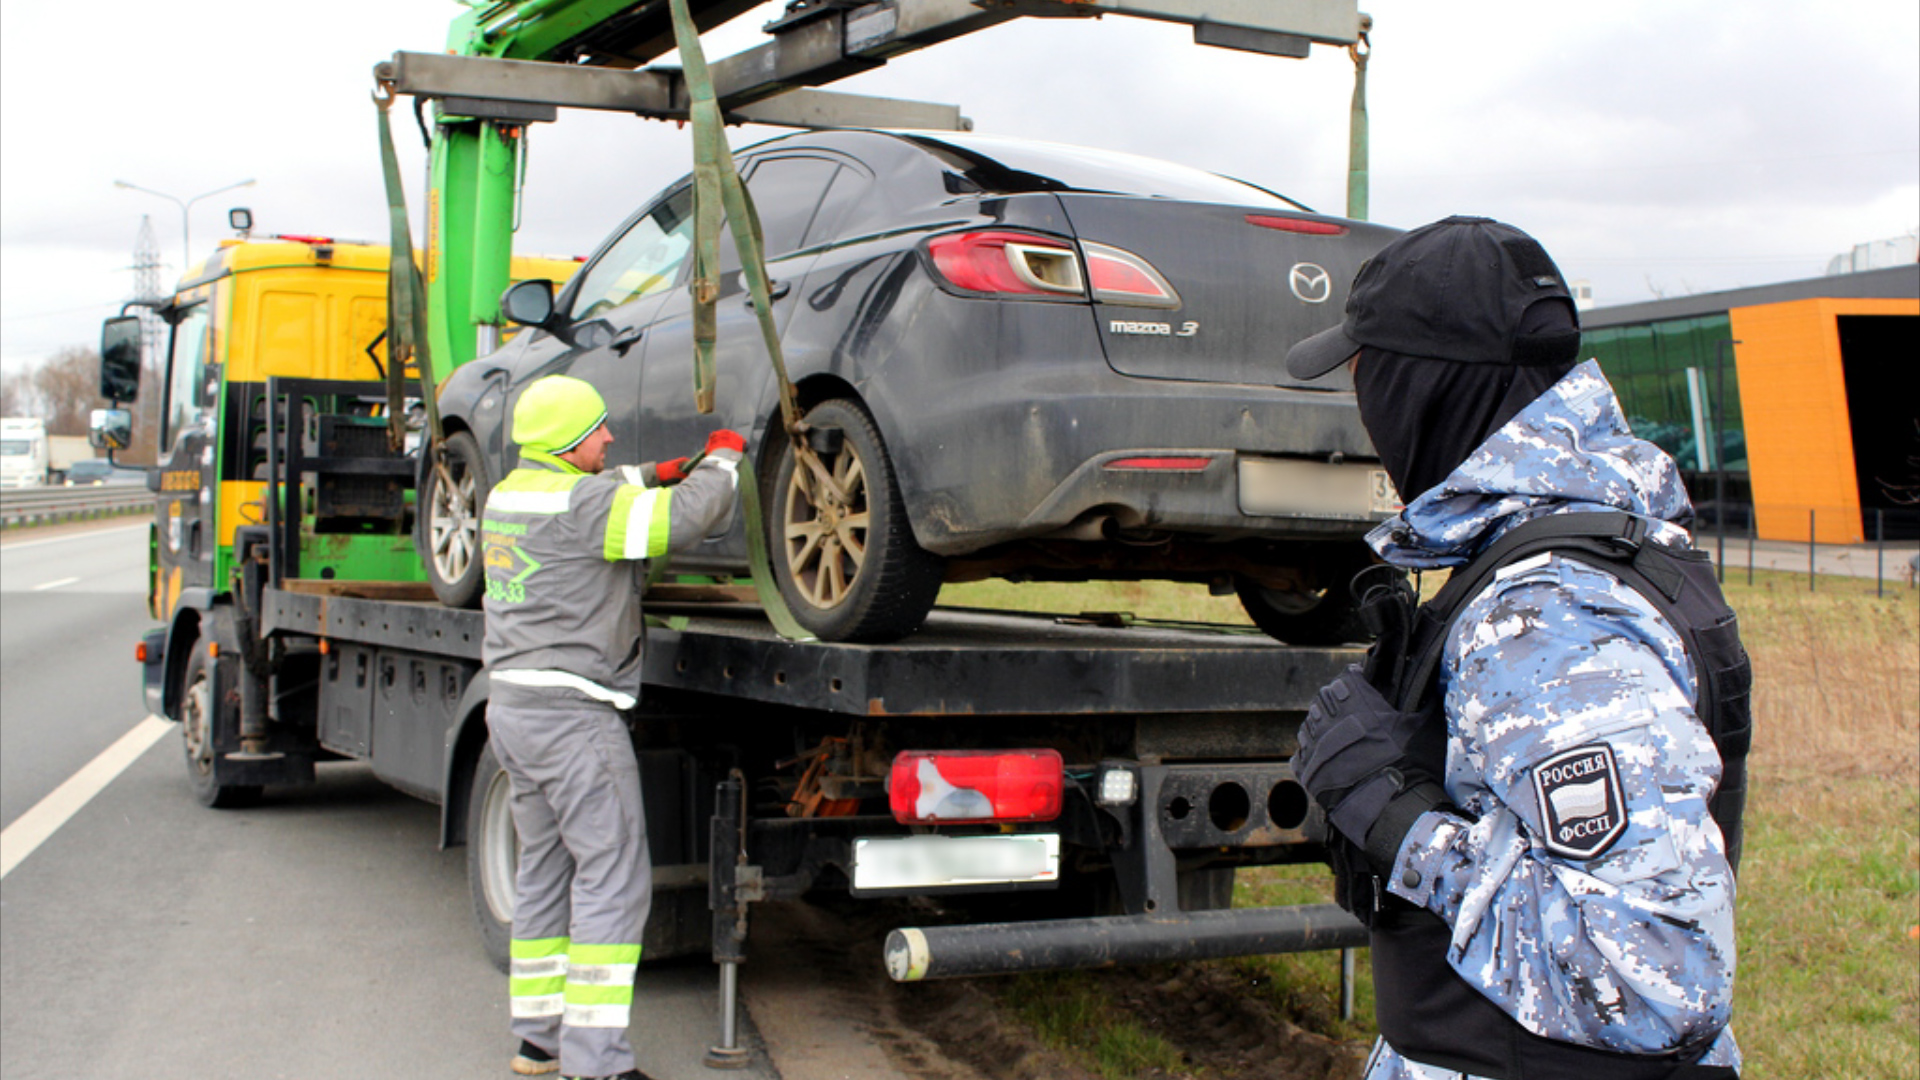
146, 286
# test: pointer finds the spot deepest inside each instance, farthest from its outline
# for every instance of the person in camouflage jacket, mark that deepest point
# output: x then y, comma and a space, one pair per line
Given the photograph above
1556, 857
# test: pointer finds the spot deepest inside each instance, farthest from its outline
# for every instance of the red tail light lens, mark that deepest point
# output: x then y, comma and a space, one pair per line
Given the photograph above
1195, 463
1121, 277
1007, 262
954, 787
1297, 225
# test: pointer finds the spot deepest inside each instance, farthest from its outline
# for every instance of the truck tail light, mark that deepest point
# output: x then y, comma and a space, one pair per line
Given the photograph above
957, 786
140, 652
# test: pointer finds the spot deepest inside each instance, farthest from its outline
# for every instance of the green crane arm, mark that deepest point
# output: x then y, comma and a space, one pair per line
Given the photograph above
476, 161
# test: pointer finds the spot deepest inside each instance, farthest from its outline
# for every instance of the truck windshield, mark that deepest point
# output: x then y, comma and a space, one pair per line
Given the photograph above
186, 367
14, 447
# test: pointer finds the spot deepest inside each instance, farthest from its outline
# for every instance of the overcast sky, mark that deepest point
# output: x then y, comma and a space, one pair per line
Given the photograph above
1656, 147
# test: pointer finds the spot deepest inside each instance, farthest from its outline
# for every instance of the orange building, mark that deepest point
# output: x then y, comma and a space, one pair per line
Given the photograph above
1799, 400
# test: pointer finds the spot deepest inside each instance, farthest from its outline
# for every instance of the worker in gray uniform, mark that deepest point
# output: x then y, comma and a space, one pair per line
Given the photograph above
566, 543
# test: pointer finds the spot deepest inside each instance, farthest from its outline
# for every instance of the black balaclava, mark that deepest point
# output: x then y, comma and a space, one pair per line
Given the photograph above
1427, 416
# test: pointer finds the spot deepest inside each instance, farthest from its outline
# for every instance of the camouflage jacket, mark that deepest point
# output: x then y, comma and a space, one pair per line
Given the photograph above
1629, 948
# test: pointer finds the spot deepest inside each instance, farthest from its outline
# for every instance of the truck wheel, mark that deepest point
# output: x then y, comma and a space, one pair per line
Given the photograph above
206, 716
1327, 615
493, 855
843, 552
449, 526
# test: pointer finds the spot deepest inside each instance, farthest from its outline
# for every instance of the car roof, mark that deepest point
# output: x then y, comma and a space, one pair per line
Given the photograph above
1004, 164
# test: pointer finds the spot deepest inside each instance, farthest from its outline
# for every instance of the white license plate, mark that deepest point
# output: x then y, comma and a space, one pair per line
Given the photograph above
922, 862
1280, 487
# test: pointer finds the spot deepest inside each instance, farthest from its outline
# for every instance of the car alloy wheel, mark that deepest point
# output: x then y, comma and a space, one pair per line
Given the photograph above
450, 525
844, 554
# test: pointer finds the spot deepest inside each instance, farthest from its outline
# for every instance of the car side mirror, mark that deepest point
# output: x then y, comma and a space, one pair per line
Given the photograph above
529, 303
120, 358
110, 429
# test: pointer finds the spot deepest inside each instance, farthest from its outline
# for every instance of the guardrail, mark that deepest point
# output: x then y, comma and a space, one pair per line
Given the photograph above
43, 505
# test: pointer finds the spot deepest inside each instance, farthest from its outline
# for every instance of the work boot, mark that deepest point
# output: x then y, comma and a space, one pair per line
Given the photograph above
533, 1061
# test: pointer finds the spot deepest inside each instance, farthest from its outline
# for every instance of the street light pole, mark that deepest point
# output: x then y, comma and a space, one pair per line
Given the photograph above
186, 220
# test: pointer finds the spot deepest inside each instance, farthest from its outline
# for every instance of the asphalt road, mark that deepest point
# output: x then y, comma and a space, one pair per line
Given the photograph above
320, 935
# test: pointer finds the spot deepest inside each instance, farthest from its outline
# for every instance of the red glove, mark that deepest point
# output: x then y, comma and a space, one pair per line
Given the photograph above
671, 472
726, 440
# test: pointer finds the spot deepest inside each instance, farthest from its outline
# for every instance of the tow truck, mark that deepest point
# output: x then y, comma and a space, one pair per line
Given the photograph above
1108, 775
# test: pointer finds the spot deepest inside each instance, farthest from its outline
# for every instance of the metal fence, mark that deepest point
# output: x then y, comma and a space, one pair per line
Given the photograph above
1888, 553
44, 505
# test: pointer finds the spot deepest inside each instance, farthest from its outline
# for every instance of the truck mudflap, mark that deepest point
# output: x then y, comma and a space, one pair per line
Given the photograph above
914, 954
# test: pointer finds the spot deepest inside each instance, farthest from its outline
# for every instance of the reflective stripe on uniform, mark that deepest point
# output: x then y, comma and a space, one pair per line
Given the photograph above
599, 989
640, 524
530, 502
547, 677
537, 976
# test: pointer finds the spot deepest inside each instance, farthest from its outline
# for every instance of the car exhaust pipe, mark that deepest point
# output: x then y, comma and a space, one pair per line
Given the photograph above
946, 952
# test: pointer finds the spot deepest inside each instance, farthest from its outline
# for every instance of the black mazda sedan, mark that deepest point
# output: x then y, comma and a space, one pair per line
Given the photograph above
1015, 359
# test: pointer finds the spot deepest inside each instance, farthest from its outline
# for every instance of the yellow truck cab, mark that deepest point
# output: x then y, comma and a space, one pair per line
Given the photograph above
286, 307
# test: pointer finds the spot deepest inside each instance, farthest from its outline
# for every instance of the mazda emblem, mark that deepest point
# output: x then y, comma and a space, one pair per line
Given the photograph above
1310, 283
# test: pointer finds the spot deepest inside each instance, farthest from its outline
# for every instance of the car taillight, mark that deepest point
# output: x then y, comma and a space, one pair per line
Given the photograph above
1169, 463
1121, 277
1006, 262
1297, 225
958, 786
1027, 264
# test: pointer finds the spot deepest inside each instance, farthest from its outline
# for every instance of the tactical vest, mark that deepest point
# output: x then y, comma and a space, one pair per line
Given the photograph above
1425, 1009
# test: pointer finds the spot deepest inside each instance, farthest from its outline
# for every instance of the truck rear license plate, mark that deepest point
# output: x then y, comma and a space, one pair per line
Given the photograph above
1281, 487
925, 862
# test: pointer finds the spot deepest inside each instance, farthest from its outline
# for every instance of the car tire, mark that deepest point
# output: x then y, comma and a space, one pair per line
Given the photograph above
1326, 615
849, 569
207, 690
493, 855
449, 521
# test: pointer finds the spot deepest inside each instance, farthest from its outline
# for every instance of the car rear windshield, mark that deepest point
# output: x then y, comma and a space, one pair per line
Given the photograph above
1006, 166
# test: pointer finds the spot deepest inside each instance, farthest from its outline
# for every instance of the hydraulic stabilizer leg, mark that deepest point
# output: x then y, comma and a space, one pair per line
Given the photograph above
730, 889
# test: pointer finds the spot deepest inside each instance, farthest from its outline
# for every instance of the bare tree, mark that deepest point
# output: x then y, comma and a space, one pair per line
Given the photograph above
17, 397
68, 385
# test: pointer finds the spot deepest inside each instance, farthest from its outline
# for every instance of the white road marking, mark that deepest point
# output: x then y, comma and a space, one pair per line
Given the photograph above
54, 584
31, 829
71, 536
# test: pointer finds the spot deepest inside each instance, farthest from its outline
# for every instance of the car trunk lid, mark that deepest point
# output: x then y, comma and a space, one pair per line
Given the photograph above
1251, 281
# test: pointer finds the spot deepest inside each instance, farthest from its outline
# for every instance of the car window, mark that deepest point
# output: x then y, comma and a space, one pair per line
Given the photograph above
645, 260
848, 187
785, 191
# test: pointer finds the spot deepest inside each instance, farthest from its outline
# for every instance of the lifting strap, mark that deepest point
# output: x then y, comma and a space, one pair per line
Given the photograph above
718, 192
406, 298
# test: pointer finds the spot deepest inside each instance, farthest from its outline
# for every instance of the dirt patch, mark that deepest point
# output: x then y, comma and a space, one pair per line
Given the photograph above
821, 999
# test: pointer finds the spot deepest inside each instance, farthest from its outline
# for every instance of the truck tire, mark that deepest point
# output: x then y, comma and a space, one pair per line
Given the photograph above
449, 521
849, 567
493, 855
207, 718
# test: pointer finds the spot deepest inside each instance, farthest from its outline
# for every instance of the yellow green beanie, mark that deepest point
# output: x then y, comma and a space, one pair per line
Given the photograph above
557, 413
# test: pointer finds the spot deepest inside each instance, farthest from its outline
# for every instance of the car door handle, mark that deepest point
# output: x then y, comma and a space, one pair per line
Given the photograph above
775, 290
626, 339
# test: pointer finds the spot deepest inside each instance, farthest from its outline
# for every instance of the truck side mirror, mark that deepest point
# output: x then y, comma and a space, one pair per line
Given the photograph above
529, 303
110, 429
120, 359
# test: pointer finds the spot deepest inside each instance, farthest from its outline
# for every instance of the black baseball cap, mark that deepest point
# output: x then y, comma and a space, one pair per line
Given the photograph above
1454, 290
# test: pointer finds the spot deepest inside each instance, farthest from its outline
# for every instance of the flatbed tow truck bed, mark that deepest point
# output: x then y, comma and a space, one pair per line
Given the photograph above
962, 662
